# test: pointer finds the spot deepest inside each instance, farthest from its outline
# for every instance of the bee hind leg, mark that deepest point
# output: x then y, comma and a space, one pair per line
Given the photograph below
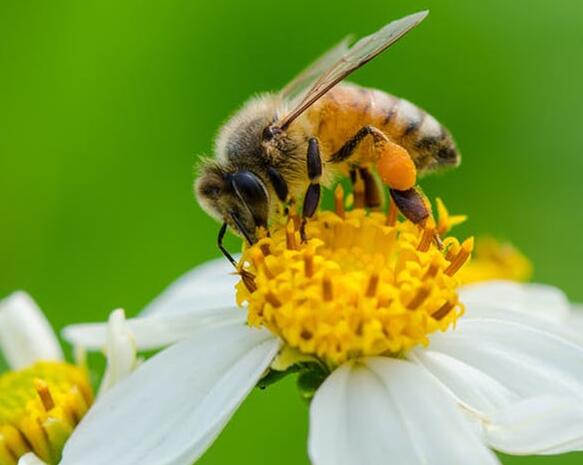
312, 196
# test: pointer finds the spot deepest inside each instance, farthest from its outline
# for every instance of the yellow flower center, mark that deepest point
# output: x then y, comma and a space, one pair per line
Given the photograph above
39, 408
362, 284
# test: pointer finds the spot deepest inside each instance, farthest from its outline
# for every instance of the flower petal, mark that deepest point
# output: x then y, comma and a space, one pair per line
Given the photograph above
210, 285
30, 459
487, 363
542, 426
172, 407
156, 330
25, 334
120, 351
545, 302
389, 410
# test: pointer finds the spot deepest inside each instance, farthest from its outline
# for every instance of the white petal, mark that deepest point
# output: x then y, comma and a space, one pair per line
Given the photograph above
25, 334
487, 363
172, 407
211, 285
30, 459
545, 302
154, 331
575, 322
120, 352
389, 411
543, 425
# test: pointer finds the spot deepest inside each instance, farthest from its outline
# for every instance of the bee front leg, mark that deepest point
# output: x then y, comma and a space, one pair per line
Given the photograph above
312, 197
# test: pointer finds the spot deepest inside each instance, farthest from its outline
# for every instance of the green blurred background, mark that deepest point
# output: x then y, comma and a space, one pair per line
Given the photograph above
105, 105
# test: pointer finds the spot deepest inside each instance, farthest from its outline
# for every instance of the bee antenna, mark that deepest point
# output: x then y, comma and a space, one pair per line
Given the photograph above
224, 251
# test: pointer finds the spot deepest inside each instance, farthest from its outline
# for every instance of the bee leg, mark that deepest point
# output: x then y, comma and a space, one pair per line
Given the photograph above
224, 251
395, 166
280, 187
412, 203
312, 197
373, 195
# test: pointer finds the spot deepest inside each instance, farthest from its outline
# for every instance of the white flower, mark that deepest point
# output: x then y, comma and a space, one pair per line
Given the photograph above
31, 347
503, 379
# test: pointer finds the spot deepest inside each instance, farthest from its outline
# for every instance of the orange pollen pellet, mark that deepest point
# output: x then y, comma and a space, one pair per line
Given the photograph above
309, 263
444, 310
373, 285
290, 236
461, 257
392, 214
327, 291
339, 201
418, 299
44, 393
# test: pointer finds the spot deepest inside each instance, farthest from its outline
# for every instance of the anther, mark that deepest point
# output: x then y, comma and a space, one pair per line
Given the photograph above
427, 236
272, 299
392, 214
44, 393
373, 285
249, 280
431, 271
327, 291
309, 263
444, 310
265, 249
339, 201
290, 236
461, 257
418, 299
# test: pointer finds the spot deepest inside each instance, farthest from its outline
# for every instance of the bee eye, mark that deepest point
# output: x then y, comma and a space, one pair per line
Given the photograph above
252, 192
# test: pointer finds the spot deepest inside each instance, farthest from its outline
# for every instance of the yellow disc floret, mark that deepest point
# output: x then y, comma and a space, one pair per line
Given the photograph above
361, 284
39, 408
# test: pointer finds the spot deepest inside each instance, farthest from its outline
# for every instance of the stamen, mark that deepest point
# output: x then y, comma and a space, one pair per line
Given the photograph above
265, 249
418, 299
273, 300
327, 291
427, 236
392, 214
373, 284
339, 201
461, 257
291, 236
248, 279
309, 263
44, 393
444, 310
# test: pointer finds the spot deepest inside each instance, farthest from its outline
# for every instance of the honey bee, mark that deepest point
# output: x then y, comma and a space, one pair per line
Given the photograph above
281, 146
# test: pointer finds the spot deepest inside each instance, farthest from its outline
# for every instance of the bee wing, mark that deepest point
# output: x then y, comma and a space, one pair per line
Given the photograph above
303, 81
358, 55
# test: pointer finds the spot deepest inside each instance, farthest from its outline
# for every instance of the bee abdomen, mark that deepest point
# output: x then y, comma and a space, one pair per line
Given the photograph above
427, 141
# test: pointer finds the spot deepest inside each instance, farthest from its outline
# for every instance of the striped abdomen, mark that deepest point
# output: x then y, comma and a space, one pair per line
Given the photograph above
345, 109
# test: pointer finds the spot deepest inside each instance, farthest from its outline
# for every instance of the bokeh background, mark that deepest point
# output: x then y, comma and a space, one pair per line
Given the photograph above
105, 106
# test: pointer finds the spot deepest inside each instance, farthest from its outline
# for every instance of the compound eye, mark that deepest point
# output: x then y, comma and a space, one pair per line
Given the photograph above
252, 192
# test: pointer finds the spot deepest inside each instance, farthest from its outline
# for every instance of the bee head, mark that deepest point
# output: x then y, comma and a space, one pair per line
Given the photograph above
238, 198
